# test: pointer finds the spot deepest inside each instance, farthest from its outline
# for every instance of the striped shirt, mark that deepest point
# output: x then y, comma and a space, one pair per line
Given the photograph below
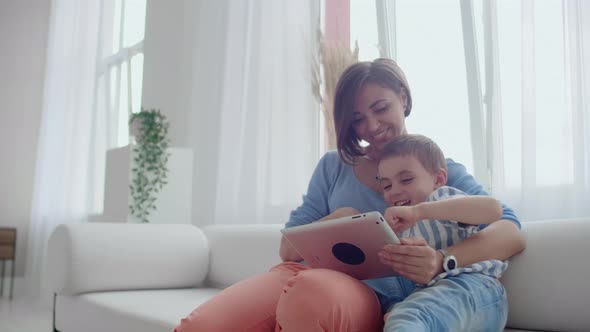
441, 234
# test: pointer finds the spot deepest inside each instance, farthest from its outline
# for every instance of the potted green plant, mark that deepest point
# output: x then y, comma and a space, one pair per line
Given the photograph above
150, 157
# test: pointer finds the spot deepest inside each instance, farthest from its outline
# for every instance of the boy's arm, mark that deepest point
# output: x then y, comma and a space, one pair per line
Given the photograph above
473, 210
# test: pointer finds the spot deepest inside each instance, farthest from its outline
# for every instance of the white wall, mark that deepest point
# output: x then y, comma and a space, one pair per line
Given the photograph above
165, 65
23, 42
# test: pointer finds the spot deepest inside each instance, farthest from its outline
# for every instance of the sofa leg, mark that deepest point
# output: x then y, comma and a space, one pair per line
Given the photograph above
53, 320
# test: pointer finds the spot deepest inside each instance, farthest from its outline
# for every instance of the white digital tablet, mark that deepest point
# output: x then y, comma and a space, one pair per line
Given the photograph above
348, 244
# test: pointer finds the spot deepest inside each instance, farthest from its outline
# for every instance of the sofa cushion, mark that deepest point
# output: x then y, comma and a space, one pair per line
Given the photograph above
241, 251
125, 311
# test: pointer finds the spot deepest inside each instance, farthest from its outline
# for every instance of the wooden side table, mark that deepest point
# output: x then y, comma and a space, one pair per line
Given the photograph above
7, 252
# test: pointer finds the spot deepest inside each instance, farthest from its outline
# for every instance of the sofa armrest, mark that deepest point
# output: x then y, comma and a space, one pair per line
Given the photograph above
92, 257
547, 283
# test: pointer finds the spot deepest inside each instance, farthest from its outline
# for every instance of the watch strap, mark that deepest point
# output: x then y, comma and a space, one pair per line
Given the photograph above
445, 253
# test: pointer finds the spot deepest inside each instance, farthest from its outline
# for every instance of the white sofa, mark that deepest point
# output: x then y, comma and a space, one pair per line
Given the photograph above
145, 277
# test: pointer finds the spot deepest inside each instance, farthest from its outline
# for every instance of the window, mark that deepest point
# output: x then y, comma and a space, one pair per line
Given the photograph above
363, 29
501, 86
448, 64
546, 45
120, 65
428, 38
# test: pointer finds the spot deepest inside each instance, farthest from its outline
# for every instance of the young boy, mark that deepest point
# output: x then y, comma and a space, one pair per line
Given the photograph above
413, 174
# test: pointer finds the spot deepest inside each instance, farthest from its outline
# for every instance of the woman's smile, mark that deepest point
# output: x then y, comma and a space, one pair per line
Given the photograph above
379, 114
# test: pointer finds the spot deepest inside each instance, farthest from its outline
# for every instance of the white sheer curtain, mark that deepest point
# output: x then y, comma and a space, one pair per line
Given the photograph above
263, 133
268, 129
254, 122
541, 163
65, 168
532, 64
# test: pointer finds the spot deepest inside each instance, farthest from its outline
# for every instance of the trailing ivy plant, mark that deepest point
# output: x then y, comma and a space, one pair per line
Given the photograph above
149, 171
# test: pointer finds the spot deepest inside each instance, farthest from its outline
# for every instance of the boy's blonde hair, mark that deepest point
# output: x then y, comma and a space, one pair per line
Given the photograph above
421, 147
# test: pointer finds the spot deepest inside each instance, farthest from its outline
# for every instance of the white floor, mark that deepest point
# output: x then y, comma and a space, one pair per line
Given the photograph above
24, 316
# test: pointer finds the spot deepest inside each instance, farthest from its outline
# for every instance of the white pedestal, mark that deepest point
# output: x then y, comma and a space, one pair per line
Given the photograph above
173, 202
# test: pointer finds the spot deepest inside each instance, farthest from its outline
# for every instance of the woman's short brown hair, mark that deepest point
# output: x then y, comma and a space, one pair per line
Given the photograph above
384, 72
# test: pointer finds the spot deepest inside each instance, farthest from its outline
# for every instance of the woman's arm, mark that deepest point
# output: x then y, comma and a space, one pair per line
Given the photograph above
314, 205
288, 253
417, 261
500, 240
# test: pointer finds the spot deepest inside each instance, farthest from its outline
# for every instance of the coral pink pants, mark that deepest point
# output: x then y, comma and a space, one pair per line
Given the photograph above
291, 297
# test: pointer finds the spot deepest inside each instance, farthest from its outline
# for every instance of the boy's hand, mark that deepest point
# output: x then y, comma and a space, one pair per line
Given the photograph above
401, 218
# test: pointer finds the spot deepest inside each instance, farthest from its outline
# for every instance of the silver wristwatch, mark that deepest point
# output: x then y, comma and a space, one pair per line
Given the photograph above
449, 261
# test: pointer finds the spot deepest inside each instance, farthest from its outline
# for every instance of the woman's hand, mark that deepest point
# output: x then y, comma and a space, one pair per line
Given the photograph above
413, 259
287, 252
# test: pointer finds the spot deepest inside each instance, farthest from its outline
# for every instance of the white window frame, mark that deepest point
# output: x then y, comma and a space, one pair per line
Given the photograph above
386, 27
105, 65
480, 130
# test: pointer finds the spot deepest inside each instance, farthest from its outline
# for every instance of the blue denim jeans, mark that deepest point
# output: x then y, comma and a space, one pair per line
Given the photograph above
467, 302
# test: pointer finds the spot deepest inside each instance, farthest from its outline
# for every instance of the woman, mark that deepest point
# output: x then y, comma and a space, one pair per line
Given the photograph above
371, 103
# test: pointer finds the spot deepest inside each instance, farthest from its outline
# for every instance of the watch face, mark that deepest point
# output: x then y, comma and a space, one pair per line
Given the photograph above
451, 264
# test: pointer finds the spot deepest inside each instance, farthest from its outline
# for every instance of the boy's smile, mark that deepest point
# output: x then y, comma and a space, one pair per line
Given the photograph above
405, 181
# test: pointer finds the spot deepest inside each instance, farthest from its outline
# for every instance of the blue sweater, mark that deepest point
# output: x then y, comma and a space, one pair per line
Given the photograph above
334, 185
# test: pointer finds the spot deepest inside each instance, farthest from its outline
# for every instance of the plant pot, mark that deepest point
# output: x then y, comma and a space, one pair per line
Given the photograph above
135, 131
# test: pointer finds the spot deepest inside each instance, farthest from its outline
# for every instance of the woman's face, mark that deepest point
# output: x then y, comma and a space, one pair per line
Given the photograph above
379, 115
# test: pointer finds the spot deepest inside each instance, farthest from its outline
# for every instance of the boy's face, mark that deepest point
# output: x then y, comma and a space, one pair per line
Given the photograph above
406, 182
